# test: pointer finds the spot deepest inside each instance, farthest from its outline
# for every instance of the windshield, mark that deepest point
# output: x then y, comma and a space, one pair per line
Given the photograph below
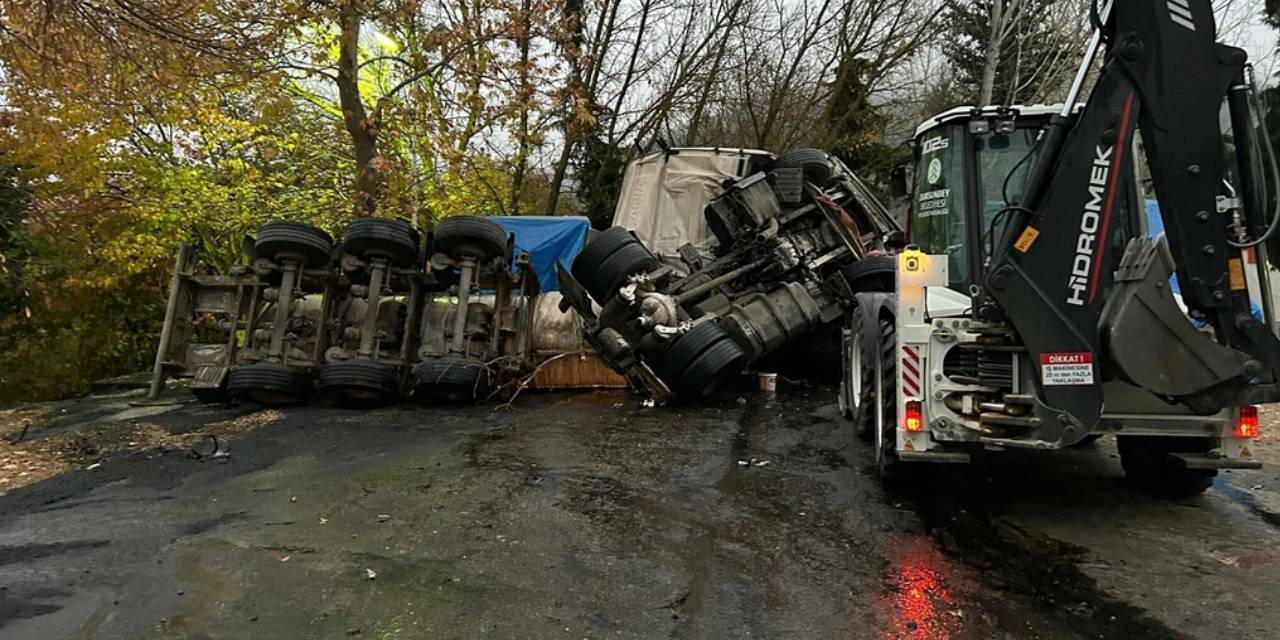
1003, 170
938, 224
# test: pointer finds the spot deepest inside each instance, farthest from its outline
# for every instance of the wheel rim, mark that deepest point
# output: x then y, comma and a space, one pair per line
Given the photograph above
879, 425
855, 370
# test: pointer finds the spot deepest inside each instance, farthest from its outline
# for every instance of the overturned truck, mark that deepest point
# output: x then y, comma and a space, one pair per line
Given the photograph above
368, 319
718, 258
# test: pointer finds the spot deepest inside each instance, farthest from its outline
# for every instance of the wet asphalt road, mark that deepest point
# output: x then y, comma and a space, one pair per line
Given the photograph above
586, 516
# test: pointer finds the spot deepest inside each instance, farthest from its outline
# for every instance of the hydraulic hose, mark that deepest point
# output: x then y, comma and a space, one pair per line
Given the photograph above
1269, 157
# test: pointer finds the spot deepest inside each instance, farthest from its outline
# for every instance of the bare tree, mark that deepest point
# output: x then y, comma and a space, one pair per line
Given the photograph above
1002, 24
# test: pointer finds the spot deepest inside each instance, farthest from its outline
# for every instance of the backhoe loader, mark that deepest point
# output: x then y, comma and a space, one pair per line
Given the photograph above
1034, 306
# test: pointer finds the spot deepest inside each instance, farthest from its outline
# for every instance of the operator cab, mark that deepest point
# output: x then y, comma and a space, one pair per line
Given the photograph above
969, 164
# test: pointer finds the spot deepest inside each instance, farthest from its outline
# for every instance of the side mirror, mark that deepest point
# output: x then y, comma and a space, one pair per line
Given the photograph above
895, 240
898, 182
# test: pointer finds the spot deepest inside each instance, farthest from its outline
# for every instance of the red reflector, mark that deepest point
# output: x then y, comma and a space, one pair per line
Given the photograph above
913, 420
1247, 428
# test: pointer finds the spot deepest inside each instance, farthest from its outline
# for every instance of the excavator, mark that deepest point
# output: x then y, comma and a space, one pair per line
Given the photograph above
1039, 305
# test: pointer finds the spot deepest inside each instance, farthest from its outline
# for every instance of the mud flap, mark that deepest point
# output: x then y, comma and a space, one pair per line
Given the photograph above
573, 295
1150, 342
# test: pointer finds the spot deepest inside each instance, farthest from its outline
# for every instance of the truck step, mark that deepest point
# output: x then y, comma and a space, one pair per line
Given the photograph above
953, 457
1202, 461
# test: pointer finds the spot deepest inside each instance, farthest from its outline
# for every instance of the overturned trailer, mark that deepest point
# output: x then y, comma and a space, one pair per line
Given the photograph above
721, 257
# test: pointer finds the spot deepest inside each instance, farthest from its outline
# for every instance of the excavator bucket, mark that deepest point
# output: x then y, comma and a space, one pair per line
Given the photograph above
1150, 341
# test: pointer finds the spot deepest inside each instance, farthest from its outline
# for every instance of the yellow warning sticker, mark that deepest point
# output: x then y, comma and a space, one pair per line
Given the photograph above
1236, 272
1025, 240
1245, 453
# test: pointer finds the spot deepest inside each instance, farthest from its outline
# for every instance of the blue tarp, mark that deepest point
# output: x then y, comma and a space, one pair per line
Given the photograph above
1155, 227
547, 240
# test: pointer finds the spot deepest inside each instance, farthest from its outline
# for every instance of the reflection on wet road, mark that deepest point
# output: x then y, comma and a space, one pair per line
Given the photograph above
922, 605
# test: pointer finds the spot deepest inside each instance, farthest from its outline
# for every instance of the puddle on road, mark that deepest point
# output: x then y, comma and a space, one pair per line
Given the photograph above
1245, 499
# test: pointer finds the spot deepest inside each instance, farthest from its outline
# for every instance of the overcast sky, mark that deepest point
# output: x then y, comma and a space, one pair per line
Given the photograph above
1260, 41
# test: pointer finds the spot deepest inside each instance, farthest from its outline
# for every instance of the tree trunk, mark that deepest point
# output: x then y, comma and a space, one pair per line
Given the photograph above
562, 166
526, 94
363, 132
576, 98
995, 41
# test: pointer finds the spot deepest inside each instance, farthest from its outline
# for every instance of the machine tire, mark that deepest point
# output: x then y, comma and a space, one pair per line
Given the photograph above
474, 237
707, 371
844, 403
887, 394
450, 380
285, 239
394, 240
815, 163
871, 274
613, 271
360, 383
861, 411
270, 384
671, 364
1146, 464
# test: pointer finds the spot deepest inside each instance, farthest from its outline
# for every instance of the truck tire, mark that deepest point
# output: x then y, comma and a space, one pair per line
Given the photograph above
709, 369
698, 361
395, 240
287, 240
607, 261
1147, 464
672, 362
871, 274
450, 380
815, 163
629, 259
360, 383
599, 246
474, 237
270, 384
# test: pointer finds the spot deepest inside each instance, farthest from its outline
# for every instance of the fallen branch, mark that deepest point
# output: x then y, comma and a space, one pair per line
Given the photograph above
522, 383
